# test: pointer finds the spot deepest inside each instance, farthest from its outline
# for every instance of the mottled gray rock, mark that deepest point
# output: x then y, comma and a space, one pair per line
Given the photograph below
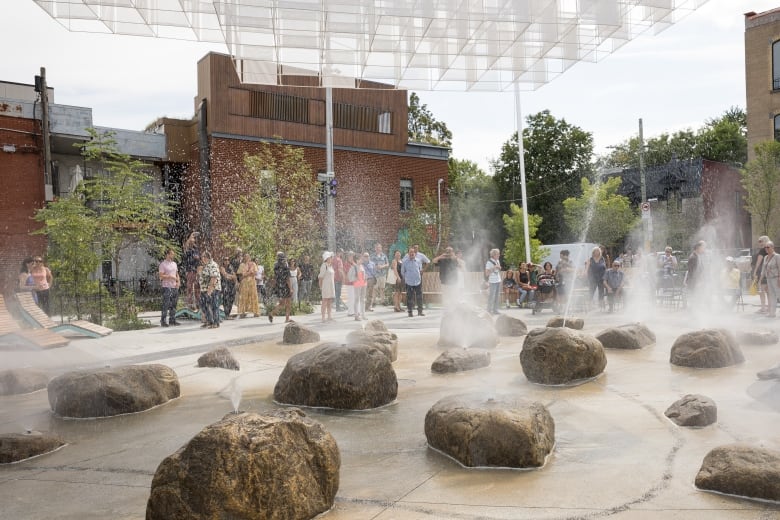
295, 334
375, 326
509, 326
558, 356
500, 431
742, 470
249, 466
22, 381
113, 391
385, 341
630, 336
572, 323
219, 358
757, 337
693, 410
708, 348
460, 360
352, 377
771, 373
19, 446
468, 327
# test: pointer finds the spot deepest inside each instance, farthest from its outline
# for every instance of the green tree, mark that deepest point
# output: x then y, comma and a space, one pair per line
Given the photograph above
557, 154
514, 247
281, 214
473, 208
423, 127
422, 224
761, 179
600, 215
724, 139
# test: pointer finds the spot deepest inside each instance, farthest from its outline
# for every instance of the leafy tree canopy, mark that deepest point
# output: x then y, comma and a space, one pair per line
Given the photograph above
473, 208
600, 215
424, 127
761, 179
514, 247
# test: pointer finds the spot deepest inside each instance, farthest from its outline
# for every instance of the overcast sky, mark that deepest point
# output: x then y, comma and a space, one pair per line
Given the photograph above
672, 80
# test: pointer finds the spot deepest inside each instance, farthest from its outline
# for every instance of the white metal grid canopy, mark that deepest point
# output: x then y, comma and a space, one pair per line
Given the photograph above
459, 45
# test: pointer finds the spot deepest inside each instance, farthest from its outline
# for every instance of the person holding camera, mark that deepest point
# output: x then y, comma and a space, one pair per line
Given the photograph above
448, 273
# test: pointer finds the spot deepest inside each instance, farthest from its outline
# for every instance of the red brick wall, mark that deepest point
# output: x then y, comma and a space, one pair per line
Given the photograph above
21, 194
368, 192
719, 185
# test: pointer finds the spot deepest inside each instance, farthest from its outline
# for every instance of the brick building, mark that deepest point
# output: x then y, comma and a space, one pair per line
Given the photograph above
762, 77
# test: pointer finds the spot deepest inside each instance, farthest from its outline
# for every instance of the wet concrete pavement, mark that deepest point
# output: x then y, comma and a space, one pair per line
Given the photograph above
616, 454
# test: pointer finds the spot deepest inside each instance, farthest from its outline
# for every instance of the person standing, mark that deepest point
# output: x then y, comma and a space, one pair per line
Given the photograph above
210, 289
370, 268
357, 277
169, 281
338, 278
613, 284
757, 262
191, 261
247, 290
381, 265
448, 273
398, 286
493, 276
26, 282
283, 287
307, 273
260, 284
771, 271
349, 261
295, 275
564, 274
42, 280
411, 272
327, 285
695, 274
595, 269
228, 278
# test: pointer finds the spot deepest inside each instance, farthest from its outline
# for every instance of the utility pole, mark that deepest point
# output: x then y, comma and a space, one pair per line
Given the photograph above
642, 183
647, 220
44, 91
330, 174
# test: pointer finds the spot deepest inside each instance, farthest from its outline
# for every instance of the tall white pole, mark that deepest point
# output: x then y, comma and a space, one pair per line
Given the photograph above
331, 201
521, 161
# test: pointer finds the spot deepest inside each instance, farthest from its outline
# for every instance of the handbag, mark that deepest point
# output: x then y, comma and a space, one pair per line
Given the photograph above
753, 288
391, 277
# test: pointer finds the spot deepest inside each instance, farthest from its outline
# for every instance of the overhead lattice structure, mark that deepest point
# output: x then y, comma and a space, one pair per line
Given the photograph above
479, 45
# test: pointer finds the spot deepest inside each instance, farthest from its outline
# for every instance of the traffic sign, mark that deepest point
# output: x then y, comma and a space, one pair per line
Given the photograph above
645, 206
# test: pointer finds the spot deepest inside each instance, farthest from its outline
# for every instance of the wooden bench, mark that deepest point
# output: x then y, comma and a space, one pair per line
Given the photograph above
35, 316
432, 290
10, 330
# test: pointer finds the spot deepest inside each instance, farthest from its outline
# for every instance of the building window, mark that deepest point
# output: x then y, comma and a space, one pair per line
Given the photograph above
362, 119
281, 107
776, 65
777, 127
406, 194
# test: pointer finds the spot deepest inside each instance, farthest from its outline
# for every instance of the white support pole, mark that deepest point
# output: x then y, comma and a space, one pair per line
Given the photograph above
331, 201
521, 161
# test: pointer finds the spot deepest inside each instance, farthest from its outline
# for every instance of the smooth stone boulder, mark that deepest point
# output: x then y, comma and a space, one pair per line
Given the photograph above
22, 381
693, 410
467, 327
375, 326
708, 348
219, 358
572, 323
460, 360
757, 337
350, 377
772, 373
509, 326
385, 341
19, 446
742, 470
249, 466
559, 356
632, 336
295, 334
112, 391
499, 432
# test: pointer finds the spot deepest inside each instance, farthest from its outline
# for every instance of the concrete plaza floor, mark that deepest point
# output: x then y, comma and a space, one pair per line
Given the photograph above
616, 454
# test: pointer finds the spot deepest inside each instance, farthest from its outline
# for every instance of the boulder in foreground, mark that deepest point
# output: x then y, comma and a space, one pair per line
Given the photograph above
708, 348
631, 337
693, 410
460, 360
295, 334
19, 446
742, 470
559, 356
219, 358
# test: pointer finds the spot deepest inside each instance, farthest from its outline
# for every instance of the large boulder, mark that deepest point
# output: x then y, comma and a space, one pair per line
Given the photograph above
468, 327
708, 348
499, 431
631, 336
375, 326
19, 446
22, 381
770, 373
249, 466
572, 323
352, 377
743, 470
559, 356
295, 334
757, 337
509, 326
460, 360
112, 391
219, 358
693, 410
385, 341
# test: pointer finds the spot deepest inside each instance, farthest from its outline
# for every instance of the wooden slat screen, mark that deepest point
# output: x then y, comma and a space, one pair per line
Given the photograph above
281, 107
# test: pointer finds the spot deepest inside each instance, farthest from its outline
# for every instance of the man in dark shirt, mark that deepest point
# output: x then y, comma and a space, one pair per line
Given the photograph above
448, 273
307, 271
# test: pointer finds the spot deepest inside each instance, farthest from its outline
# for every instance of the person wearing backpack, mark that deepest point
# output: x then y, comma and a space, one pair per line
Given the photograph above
493, 278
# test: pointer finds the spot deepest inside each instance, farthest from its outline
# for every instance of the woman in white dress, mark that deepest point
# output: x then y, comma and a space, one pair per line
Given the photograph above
295, 273
327, 285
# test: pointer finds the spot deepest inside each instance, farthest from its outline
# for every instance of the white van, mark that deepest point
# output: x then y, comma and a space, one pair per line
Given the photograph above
578, 253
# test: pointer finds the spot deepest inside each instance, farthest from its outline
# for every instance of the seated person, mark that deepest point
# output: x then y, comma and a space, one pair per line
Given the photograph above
508, 284
546, 284
525, 288
613, 284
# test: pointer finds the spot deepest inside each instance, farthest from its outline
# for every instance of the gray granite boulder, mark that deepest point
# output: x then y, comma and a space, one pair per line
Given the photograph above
572, 323
708, 348
467, 327
112, 391
771, 373
352, 377
375, 326
509, 326
22, 381
460, 360
742, 470
249, 466
385, 341
296, 334
19, 446
757, 337
559, 356
499, 431
219, 358
630, 336
693, 410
